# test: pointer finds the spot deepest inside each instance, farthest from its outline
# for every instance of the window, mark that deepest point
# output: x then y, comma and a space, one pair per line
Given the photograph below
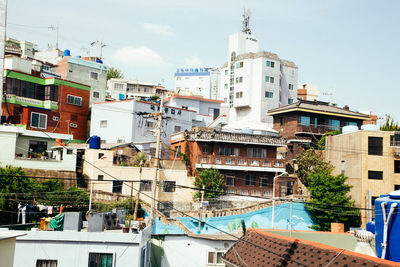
291, 86
334, 125
37, 146
250, 180
290, 101
38, 120
117, 186
149, 124
46, 263
94, 75
69, 151
352, 123
376, 175
269, 79
145, 185
375, 146
178, 78
264, 182
397, 166
118, 86
239, 65
177, 128
168, 186
269, 94
172, 111
204, 148
103, 124
239, 94
230, 180
96, 94
100, 177
256, 153
74, 100
395, 139
397, 187
304, 120
239, 79
228, 151
215, 257
226, 72
100, 260
226, 86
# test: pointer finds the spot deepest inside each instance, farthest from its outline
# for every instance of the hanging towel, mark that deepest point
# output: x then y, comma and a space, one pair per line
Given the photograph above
50, 210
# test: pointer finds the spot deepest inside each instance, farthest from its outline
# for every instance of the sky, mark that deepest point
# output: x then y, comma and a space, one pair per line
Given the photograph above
349, 49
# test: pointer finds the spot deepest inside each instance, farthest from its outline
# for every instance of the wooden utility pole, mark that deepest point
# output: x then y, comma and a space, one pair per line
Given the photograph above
201, 210
157, 160
138, 193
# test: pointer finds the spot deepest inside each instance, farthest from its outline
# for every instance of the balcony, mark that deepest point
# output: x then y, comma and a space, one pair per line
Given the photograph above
20, 100
312, 129
240, 163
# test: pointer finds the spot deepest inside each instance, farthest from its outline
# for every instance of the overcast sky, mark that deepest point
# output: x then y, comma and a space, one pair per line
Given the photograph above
348, 48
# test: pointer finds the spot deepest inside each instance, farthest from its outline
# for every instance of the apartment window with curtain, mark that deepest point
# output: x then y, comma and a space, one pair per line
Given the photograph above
256, 152
100, 260
228, 151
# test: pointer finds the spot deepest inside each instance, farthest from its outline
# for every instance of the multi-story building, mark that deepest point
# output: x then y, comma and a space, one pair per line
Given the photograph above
44, 104
125, 89
197, 82
249, 162
207, 110
253, 81
130, 121
304, 123
27, 48
308, 92
371, 161
82, 71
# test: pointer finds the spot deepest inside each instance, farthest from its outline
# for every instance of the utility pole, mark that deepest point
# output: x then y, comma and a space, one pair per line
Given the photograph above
273, 198
291, 212
101, 45
201, 210
157, 159
3, 20
138, 193
53, 28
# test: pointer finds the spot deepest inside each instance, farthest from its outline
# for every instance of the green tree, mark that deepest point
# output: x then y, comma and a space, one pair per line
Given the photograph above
140, 158
114, 73
321, 142
213, 180
326, 189
309, 162
390, 125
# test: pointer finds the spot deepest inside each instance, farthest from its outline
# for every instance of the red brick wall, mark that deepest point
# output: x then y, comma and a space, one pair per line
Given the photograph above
62, 67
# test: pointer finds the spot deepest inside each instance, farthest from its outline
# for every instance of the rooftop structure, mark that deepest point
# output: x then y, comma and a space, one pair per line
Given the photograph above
197, 82
125, 89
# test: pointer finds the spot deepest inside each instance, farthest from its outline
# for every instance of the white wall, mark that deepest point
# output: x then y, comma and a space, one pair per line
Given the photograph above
7, 251
180, 250
194, 83
73, 248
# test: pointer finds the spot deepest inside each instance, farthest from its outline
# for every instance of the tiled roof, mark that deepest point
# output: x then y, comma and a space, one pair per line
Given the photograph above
231, 137
316, 106
259, 248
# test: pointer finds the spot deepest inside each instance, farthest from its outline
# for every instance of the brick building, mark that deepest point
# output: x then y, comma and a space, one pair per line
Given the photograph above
303, 123
248, 161
45, 104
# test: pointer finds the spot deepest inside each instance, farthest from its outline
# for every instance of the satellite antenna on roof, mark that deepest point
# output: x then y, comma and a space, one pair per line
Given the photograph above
246, 21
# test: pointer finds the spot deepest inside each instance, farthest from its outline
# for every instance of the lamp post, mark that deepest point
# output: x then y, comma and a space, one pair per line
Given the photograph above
91, 181
273, 197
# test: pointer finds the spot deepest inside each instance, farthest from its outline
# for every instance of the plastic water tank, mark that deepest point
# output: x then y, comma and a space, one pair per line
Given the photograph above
393, 229
99, 61
350, 129
369, 127
94, 142
67, 53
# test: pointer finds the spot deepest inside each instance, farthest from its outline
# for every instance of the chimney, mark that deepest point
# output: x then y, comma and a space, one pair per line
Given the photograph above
346, 107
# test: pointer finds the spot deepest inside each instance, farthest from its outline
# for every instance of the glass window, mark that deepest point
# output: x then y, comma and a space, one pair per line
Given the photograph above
375, 175
37, 146
100, 260
211, 257
96, 94
226, 72
228, 151
230, 180
38, 120
290, 101
397, 166
74, 100
352, 123
94, 75
256, 153
145, 185
219, 257
100, 177
375, 146
269, 94
168, 186
304, 120
103, 124
267, 79
117, 186
334, 125
268, 63
46, 263
250, 179
264, 182
291, 86
395, 140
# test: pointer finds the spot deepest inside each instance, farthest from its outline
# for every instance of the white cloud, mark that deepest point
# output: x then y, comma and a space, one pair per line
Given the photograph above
162, 29
138, 57
193, 61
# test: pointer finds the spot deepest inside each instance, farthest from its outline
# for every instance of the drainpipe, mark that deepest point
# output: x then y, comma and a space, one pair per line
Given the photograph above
385, 226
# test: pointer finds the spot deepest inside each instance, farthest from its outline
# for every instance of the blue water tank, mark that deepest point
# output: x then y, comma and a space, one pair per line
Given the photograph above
99, 61
371, 227
393, 230
67, 53
94, 142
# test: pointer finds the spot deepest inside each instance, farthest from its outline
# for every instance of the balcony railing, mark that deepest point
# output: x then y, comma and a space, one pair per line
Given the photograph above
319, 129
48, 104
241, 161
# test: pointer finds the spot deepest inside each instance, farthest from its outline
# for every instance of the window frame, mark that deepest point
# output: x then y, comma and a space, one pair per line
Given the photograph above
232, 177
373, 175
103, 123
375, 149
116, 184
167, 185
96, 93
46, 263
250, 179
146, 185
101, 254
39, 115
74, 102
97, 76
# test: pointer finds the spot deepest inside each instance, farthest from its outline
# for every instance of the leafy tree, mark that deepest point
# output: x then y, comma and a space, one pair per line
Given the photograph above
326, 189
140, 158
390, 125
309, 162
213, 180
114, 73
321, 142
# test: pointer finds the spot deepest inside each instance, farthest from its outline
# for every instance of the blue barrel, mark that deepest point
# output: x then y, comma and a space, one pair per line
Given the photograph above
371, 227
67, 53
393, 229
94, 142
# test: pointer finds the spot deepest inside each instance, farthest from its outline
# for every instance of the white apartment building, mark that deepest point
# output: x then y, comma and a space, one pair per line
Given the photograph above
197, 82
129, 121
125, 89
253, 81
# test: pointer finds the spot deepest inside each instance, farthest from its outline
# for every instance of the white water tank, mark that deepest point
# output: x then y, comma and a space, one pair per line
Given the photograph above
350, 129
369, 127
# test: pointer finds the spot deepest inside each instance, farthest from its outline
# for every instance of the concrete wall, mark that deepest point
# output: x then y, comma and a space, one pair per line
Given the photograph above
194, 84
7, 251
180, 250
73, 248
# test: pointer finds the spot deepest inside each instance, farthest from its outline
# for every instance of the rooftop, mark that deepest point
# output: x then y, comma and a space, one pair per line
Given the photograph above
259, 248
200, 98
317, 107
264, 54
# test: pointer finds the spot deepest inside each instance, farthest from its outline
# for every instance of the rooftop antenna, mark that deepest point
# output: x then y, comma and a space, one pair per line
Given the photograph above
101, 45
55, 28
246, 21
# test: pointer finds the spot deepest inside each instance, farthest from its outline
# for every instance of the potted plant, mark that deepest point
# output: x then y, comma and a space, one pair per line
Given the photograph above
128, 220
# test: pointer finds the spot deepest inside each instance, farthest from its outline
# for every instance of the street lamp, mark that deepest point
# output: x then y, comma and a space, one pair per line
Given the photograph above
273, 197
91, 181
